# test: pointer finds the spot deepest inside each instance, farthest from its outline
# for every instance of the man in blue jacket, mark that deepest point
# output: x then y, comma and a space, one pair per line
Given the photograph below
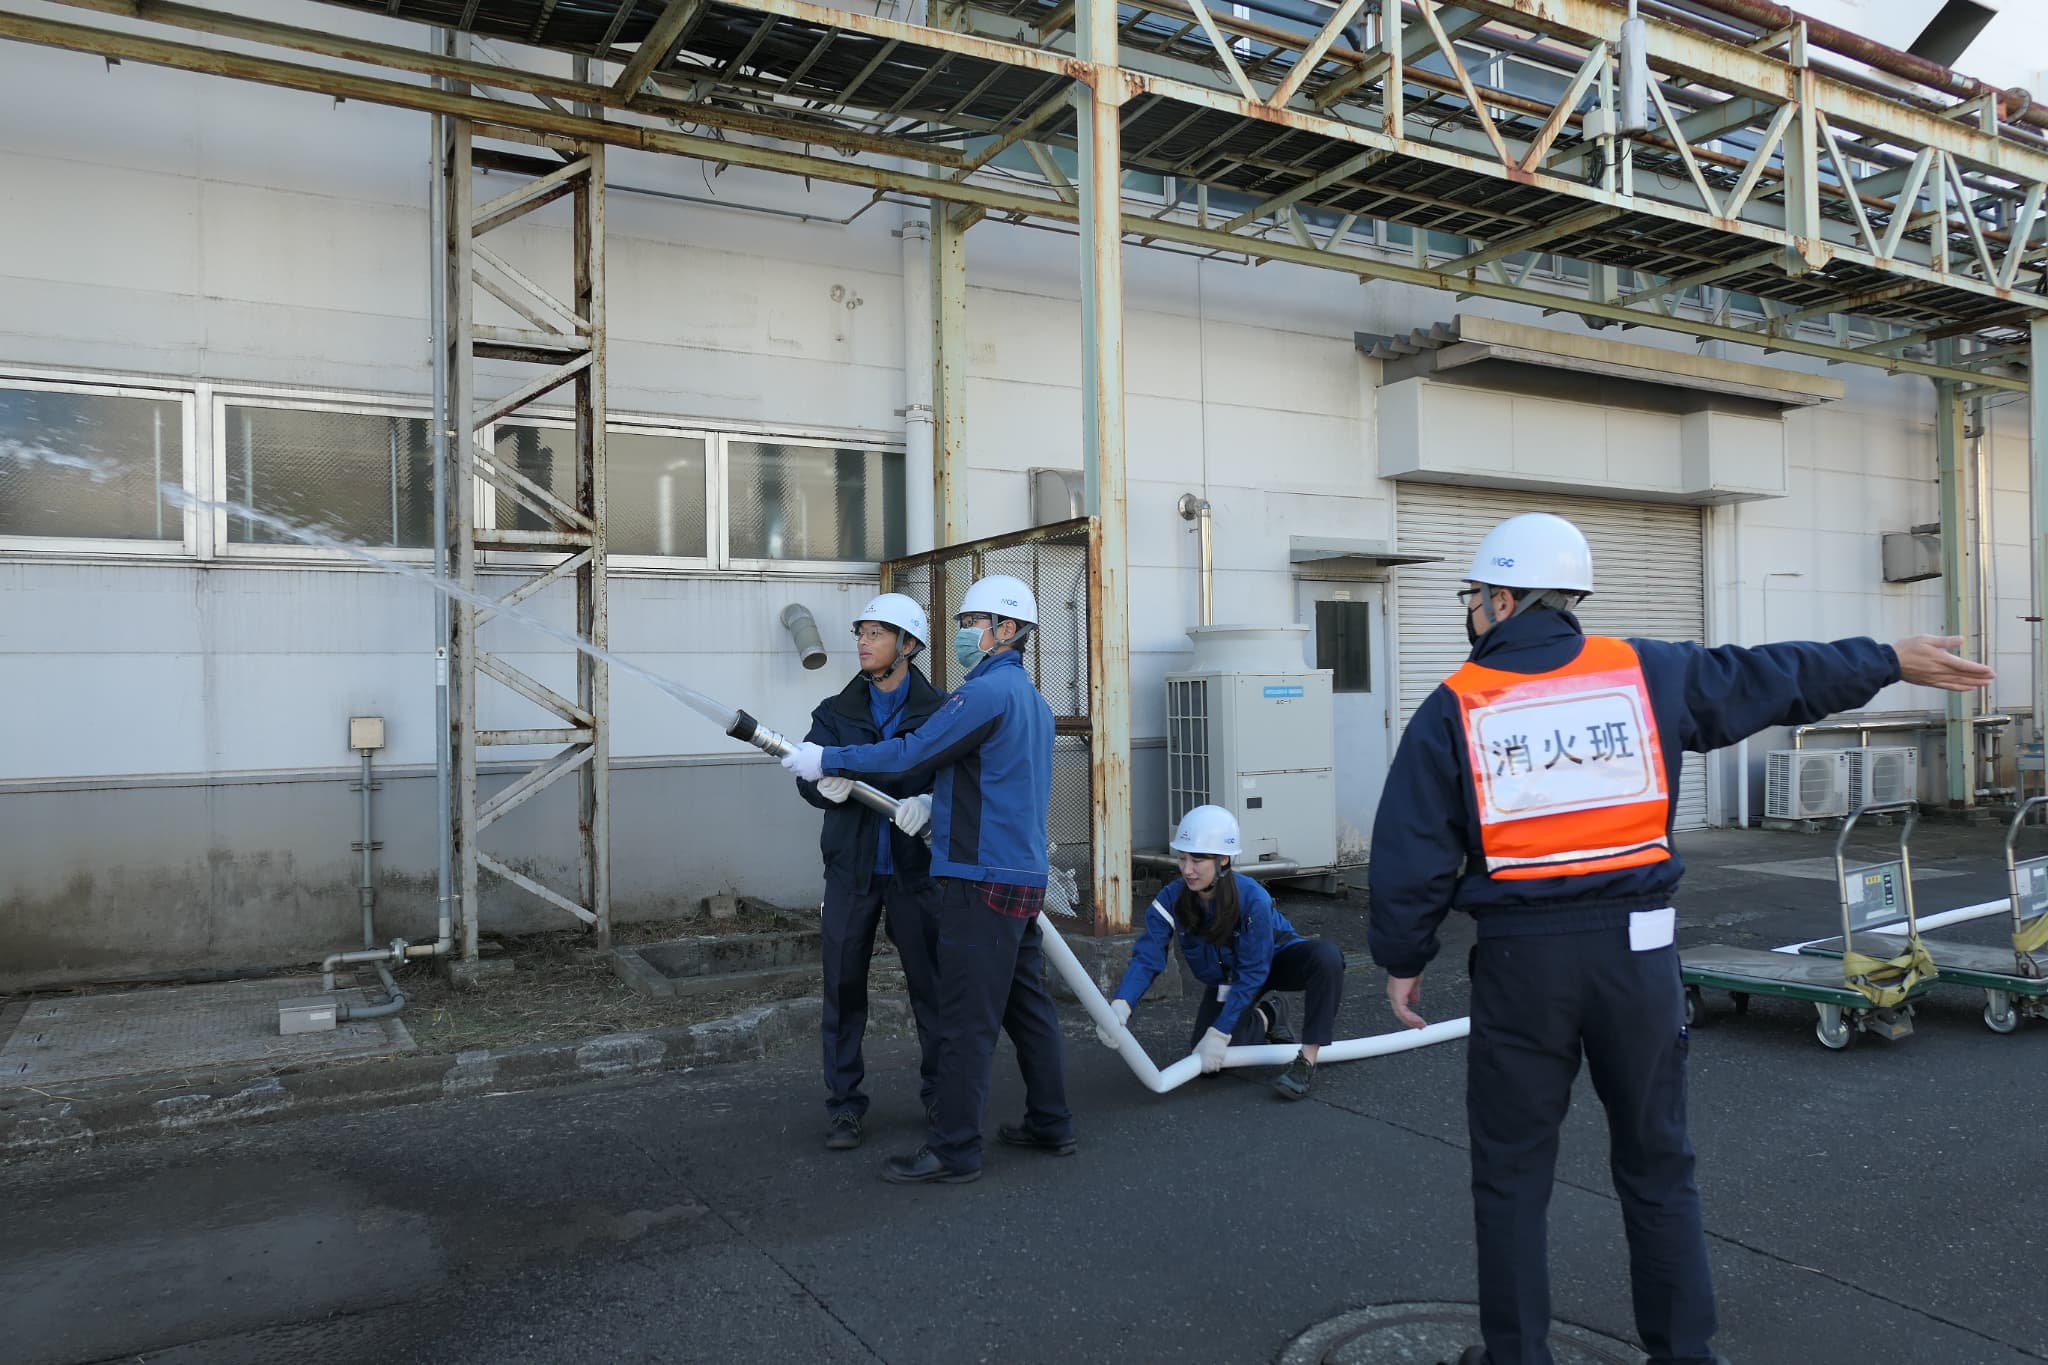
873, 868
1536, 789
991, 745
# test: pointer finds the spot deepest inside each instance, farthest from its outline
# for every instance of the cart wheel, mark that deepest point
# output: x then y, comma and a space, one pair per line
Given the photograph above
1741, 999
1834, 1031
1999, 1015
1693, 1005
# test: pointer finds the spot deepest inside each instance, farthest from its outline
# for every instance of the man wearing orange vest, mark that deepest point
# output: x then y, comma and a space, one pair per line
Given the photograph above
1536, 792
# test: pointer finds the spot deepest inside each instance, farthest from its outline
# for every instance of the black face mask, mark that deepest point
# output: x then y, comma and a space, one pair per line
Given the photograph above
1471, 631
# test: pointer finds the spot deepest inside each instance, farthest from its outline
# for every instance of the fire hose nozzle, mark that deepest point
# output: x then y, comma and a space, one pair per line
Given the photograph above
747, 730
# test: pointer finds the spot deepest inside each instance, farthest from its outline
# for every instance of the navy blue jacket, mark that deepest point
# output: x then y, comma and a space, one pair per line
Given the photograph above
852, 832
1242, 964
1426, 854
991, 745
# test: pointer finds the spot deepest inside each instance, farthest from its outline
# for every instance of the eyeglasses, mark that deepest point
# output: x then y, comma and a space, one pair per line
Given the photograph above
1466, 596
873, 634
979, 618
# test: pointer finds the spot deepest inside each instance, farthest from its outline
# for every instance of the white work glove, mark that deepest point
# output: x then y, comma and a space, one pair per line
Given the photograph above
1210, 1050
807, 761
1122, 1010
835, 788
913, 814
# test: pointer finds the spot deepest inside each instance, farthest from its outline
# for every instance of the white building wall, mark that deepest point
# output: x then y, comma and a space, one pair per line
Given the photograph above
203, 230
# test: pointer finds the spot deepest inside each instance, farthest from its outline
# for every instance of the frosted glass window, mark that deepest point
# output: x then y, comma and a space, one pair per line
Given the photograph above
363, 478
90, 465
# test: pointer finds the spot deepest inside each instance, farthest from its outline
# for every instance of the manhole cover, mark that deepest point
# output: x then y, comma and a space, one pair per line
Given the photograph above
1433, 1334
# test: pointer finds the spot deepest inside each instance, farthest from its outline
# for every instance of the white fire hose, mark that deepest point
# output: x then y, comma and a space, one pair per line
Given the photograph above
746, 729
1187, 1068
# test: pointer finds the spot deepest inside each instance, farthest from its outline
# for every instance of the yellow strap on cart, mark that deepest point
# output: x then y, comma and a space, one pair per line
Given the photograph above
1886, 982
2031, 938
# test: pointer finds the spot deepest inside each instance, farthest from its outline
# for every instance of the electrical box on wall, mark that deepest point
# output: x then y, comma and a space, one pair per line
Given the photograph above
1912, 556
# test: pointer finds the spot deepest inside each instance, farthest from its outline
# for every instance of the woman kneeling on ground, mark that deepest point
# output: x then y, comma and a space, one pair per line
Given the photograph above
1241, 948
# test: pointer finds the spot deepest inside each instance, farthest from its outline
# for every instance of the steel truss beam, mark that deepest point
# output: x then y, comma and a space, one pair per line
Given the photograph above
562, 540
1016, 204
1780, 196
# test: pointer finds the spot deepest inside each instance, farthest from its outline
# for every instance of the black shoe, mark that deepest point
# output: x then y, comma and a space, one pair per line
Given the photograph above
1471, 1355
843, 1133
1017, 1135
1276, 1022
1297, 1080
922, 1168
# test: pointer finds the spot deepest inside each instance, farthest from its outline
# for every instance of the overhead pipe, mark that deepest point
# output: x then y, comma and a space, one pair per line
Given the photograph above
1196, 510
2013, 106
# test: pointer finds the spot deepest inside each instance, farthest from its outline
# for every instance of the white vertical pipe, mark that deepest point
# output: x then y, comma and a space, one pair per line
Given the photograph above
919, 504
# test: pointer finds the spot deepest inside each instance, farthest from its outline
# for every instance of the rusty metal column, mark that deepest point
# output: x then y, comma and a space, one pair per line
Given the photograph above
2037, 475
1959, 733
461, 395
1102, 449
949, 377
593, 678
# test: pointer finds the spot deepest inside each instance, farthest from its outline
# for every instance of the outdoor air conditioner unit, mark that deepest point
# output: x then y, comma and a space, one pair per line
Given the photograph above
1806, 784
1883, 777
1251, 729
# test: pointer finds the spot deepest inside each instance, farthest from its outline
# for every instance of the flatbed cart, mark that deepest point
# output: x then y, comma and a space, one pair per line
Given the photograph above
1861, 994
2014, 980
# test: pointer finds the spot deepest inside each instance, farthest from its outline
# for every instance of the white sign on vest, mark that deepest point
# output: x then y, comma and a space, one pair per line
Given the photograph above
1544, 752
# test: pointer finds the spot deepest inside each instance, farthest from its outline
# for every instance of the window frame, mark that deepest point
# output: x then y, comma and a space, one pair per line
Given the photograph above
222, 397
555, 419
204, 429
183, 546
808, 568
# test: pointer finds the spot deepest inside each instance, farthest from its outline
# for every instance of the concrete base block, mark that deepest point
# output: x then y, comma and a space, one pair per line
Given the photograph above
477, 975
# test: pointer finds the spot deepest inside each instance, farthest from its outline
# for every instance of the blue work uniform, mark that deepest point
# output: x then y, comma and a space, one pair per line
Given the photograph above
1265, 954
1556, 973
874, 873
990, 746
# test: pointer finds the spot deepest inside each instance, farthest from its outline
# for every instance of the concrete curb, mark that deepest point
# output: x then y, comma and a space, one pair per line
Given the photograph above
34, 1121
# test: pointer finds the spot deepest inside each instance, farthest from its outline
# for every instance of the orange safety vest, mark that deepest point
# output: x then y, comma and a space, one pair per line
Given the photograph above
1567, 765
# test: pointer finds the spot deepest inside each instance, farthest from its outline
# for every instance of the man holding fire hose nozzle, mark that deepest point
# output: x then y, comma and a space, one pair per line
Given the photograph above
991, 747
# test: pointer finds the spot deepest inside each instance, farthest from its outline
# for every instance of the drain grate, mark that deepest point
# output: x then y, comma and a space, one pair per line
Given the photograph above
1433, 1334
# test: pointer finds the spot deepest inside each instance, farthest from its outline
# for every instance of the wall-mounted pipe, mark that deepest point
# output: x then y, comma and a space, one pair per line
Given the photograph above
919, 420
1187, 1068
1196, 510
810, 646
366, 880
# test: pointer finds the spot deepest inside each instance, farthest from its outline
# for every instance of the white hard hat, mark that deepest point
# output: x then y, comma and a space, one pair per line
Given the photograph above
1001, 595
1534, 550
894, 609
1207, 829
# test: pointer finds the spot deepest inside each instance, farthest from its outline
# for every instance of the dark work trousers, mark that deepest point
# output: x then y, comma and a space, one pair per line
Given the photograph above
911, 905
1538, 1002
1314, 966
992, 978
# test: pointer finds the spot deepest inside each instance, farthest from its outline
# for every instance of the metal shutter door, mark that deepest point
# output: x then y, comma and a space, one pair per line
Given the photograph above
1648, 559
